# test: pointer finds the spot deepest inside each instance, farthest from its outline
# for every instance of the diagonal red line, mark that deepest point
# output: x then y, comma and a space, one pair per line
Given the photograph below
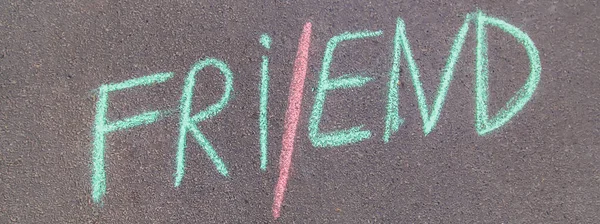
291, 117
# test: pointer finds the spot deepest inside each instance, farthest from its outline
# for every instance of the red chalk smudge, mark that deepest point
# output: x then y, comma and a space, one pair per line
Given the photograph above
291, 117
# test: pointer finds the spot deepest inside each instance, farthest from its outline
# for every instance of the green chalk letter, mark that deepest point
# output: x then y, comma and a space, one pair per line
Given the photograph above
347, 136
392, 118
430, 118
483, 123
103, 127
187, 123
265, 40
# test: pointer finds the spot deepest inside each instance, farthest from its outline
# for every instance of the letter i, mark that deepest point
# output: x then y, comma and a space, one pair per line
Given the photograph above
265, 40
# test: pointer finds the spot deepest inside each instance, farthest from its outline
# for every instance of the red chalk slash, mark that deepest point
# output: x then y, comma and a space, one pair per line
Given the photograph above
291, 117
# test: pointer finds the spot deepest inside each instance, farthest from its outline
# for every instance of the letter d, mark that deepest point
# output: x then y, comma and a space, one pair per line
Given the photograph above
483, 123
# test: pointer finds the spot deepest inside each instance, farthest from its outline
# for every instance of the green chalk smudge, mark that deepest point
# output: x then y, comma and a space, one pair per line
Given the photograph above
103, 127
265, 40
341, 137
483, 124
188, 123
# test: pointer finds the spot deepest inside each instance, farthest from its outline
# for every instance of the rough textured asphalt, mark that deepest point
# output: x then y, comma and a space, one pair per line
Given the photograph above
541, 167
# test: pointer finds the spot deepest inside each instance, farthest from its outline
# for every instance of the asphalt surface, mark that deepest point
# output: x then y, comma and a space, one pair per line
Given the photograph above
541, 167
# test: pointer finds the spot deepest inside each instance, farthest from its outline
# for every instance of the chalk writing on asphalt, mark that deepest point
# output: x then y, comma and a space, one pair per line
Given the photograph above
401, 50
